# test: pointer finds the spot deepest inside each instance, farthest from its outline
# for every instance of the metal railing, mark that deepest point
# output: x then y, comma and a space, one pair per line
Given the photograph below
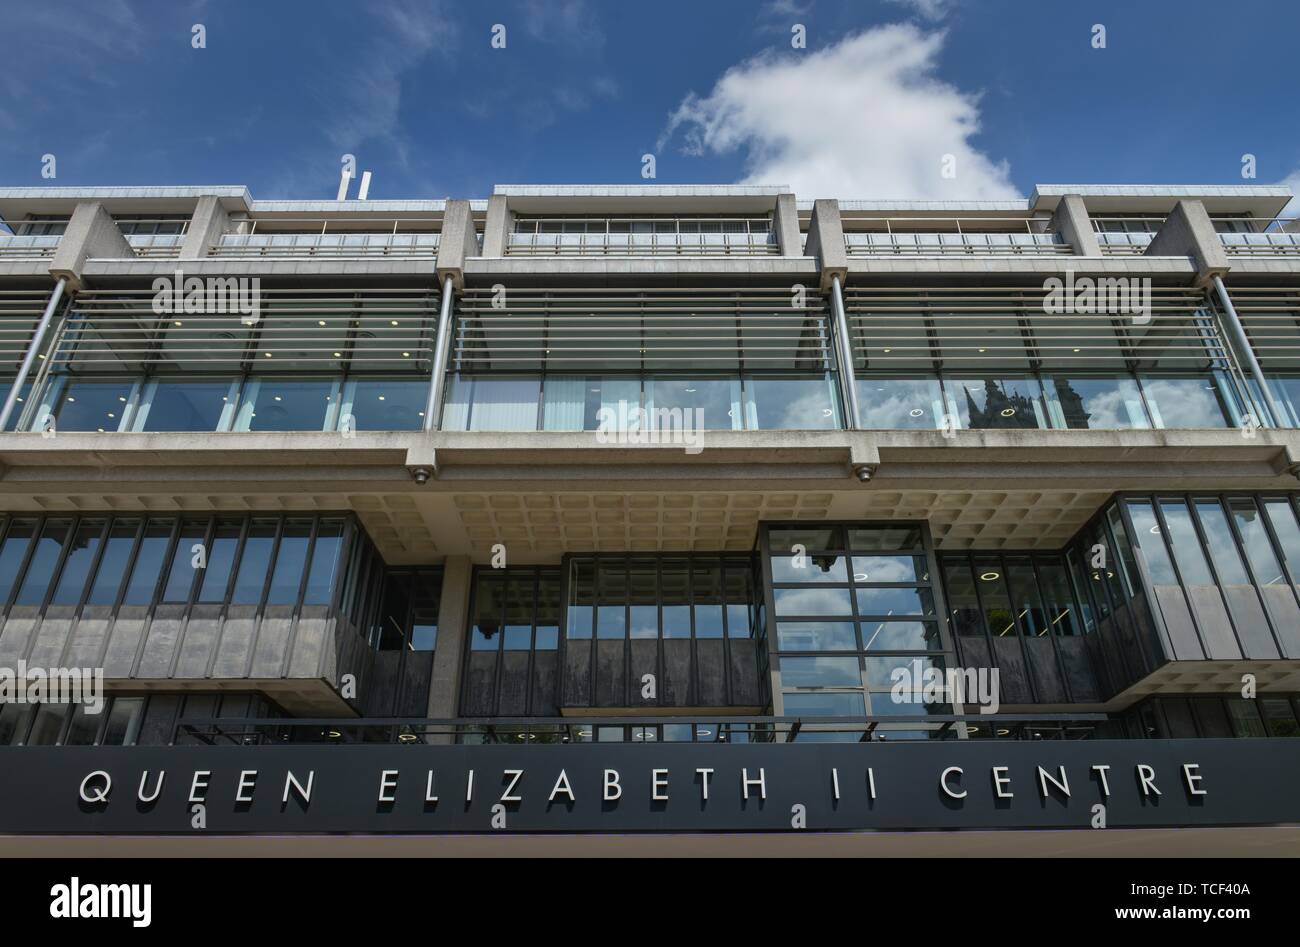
634, 236
517, 731
1278, 236
28, 247
1125, 236
155, 237
960, 236
594, 329
313, 237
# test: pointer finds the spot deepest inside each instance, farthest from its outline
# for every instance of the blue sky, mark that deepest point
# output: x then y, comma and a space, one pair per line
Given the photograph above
1012, 89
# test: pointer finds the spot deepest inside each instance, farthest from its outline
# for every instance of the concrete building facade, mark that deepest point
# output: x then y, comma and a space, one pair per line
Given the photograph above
572, 474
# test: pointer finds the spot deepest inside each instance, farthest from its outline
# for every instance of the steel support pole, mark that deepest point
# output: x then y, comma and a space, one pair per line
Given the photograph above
441, 353
32, 351
1243, 347
845, 350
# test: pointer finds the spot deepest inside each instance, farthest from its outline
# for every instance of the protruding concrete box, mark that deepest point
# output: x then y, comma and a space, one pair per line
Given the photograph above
458, 241
91, 233
1189, 232
207, 224
1074, 224
826, 241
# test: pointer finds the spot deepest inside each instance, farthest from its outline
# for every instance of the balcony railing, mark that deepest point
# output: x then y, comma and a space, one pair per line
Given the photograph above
637, 236
1125, 236
1277, 237
15, 247
954, 236
408, 237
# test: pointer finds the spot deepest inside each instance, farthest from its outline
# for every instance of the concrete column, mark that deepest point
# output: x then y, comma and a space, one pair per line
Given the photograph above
457, 242
1188, 231
786, 223
91, 233
826, 242
1074, 224
453, 629
496, 229
207, 224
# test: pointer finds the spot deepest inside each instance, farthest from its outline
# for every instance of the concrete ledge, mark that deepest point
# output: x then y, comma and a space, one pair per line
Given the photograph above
645, 266
1174, 268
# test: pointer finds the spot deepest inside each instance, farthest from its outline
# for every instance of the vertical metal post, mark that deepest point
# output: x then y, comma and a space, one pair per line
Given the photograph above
1243, 347
845, 349
32, 350
441, 353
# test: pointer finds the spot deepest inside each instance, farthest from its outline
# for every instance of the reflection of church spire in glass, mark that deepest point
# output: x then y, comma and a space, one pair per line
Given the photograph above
1000, 409
1072, 405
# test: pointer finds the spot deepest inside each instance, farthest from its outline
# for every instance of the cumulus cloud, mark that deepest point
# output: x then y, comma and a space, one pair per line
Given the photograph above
866, 117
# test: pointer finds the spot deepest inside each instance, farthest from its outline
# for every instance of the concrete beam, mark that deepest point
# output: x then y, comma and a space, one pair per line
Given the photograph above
786, 223
1073, 223
458, 241
453, 627
207, 224
90, 233
826, 242
1188, 231
496, 228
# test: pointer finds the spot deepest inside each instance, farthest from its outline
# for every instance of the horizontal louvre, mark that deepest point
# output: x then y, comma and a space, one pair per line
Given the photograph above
314, 330
1271, 318
20, 311
590, 329
910, 328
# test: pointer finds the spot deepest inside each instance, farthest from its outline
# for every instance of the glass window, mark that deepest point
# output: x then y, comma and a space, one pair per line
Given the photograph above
290, 558
1150, 543
996, 402
18, 537
47, 724
993, 592
1198, 402
679, 404
895, 602
894, 686
1063, 617
84, 727
643, 612
611, 596
181, 576
89, 406
1259, 550
1025, 597
812, 602
76, 567
706, 589
324, 562
676, 599
489, 605
518, 635
820, 672
900, 403
823, 567
816, 636
123, 721
44, 560
281, 404
180, 405
13, 723
1245, 718
254, 563
887, 568
962, 602
885, 539
1282, 516
1098, 403
739, 595
23, 394
1187, 547
812, 539
220, 560
580, 403
546, 634
386, 405
791, 404
1220, 542
492, 404
148, 562
580, 613
112, 565
809, 704
900, 636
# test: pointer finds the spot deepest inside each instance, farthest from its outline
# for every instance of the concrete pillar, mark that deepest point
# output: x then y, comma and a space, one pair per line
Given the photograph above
91, 233
207, 224
1188, 231
786, 223
826, 242
457, 242
496, 229
1073, 223
453, 629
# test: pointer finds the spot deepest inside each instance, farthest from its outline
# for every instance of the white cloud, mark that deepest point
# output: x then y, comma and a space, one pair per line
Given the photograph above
930, 9
1292, 181
866, 117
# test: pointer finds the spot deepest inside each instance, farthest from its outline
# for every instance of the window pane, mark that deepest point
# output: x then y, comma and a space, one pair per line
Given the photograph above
791, 404
900, 403
489, 605
673, 404
492, 404
1100, 403
895, 602
963, 605
254, 563
46, 724
221, 559
805, 704
112, 565
820, 672
44, 560
1062, 613
676, 599
324, 562
123, 721
1187, 402
84, 727
643, 613
1025, 598
181, 576
580, 613
1259, 549
900, 636
824, 567
1282, 516
286, 405
997, 603
885, 539
90, 406
290, 558
185, 406
706, 587
886, 568
997, 402
816, 636
148, 562
76, 567
812, 539
1150, 544
16, 542
1222, 546
391, 405
812, 602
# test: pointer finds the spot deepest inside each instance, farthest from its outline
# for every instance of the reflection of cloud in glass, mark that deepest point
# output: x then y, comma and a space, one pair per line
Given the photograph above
901, 404
883, 569
813, 602
805, 412
1184, 402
